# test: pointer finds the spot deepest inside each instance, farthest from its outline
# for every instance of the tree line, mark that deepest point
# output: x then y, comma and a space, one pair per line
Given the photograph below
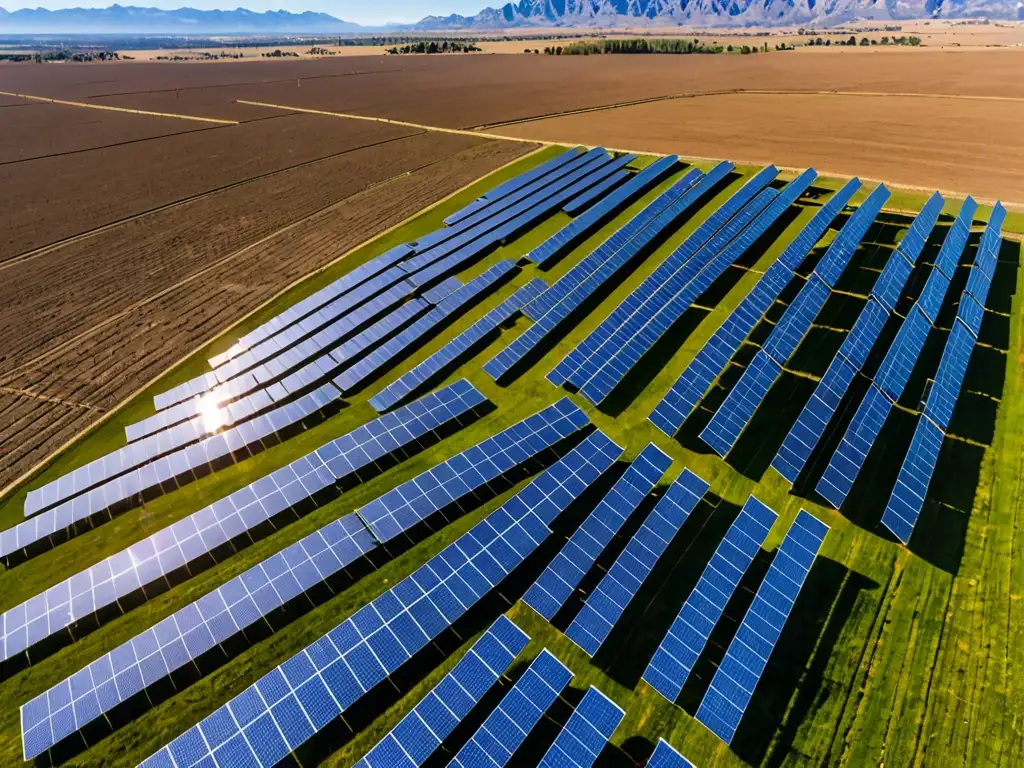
435, 46
638, 45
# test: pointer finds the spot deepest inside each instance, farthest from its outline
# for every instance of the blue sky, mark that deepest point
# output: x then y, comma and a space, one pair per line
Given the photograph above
364, 12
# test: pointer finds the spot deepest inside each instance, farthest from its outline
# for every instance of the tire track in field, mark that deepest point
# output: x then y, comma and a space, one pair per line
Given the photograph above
123, 110
45, 249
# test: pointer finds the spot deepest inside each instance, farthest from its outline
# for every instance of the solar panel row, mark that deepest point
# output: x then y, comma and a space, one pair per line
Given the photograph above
606, 603
590, 263
733, 684
907, 499
162, 476
685, 641
809, 427
666, 757
574, 232
461, 476
584, 736
446, 309
638, 336
513, 184
510, 357
549, 197
735, 413
510, 223
710, 361
184, 636
312, 303
418, 735
282, 353
564, 573
457, 350
571, 363
295, 700
517, 713
168, 549
442, 290
584, 201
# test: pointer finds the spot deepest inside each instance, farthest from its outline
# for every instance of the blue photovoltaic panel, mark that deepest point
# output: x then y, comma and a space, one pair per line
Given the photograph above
575, 231
401, 508
715, 244
732, 417
606, 603
733, 684
950, 376
184, 636
422, 329
598, 190
899, 361
590, 726
515, 716
807, 432
689, 633
445, 288
507, 359
458, 252
285, 707
845, 464
432, 720
558, 581
908, 496
455, 351
932, 295
707, 365
572, 362
169, 549
590, 263
510, 186
956, 239
312, 303
666, 757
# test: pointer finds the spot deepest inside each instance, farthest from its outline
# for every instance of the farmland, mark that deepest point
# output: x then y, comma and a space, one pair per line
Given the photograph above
894, 655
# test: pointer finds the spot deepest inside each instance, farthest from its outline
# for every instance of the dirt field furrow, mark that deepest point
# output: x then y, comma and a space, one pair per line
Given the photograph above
105, 366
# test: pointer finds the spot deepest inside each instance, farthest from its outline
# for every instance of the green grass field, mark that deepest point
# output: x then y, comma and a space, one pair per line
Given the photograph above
892, 657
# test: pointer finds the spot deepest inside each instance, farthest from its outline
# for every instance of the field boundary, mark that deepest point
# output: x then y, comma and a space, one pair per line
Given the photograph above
105, 107
107, 415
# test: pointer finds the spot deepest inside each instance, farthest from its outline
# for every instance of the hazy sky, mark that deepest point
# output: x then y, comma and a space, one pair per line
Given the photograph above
361, 11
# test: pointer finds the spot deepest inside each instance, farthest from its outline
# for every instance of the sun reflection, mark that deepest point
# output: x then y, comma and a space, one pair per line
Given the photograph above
214, 417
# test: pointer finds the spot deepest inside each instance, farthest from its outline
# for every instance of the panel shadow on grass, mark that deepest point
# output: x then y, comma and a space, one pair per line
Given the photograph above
637, 634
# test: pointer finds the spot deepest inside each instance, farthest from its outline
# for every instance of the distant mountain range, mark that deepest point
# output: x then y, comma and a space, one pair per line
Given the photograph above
128, 19
717, 13
118, 19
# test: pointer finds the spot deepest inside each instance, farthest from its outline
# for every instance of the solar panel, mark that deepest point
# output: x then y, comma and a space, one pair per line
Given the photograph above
510, 357
736, 412
678, 269
183, 637
625, 357
571, 362
292, 702
461, 250
845, 464
452, 480
606, 603
446, 310
169, 549
598, 191
904, 507
682, 646
956, 239
575, 231
593, 261
558, 581
949, 377
707, 365
418, 735
457, 350
666, 757
442, 290
899, 361
515, 183
313, 302
173, 471
589, 728
737, 676
507, 726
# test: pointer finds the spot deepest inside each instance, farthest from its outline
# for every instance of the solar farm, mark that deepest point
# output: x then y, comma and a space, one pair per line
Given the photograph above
606, 459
